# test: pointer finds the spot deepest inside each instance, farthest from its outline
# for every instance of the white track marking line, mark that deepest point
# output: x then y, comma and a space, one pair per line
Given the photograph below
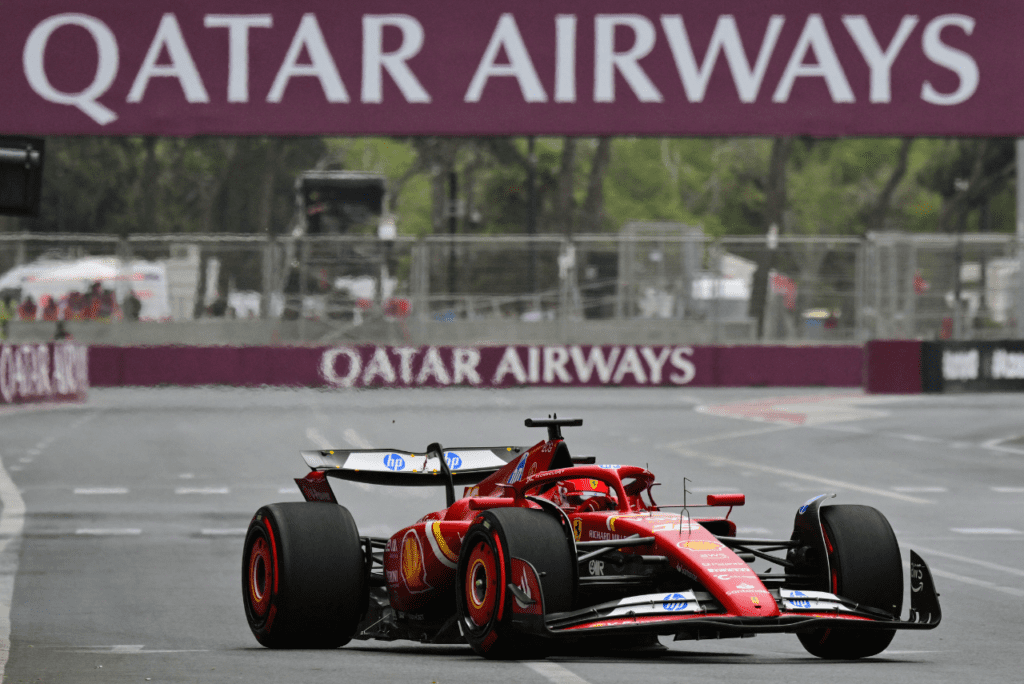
202, 490
997, 445
12, 523
964, 559
109, 531
736, 434
555, 673
829, 482
984, 530
1008, 490
920, 490
317, 438
100, 490
1012, 591
223, 532
131, 649
357, 440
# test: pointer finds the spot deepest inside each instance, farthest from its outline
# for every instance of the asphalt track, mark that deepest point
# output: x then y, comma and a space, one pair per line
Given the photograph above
125, 562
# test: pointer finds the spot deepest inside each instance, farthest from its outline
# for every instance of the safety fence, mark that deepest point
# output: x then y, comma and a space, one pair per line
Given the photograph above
719, 290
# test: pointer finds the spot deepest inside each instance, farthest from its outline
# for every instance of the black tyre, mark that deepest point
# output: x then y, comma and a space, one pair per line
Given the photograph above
484, 573
304, 582
865, 564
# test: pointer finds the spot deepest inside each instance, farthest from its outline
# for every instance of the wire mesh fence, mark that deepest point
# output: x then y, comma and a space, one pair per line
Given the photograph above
886, 285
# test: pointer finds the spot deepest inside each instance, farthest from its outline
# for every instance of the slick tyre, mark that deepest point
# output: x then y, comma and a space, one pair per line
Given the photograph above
304, 578
865, 565
483, 599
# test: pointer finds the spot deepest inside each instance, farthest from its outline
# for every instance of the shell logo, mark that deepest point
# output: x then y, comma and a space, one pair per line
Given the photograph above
611, 522
412, 563
699, 545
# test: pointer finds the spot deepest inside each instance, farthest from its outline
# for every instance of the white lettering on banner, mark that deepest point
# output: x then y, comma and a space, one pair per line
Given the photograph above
405, 355
238, 26
322, 66
879, 62
607, 61
1007, 365
565, 58
25, 372
510, 363
433, 366
655, 362
380, 365
623, 50
106, 65
815, 37
960, 365
957, 61
329, 372
595, 361
506, 35
630, 364
726, 38
375, 60
555, 359
7, 383
680, 362
464, 366
182, 67
533, 357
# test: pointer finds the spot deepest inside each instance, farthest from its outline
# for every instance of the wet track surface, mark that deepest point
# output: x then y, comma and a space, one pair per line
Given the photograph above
135, 505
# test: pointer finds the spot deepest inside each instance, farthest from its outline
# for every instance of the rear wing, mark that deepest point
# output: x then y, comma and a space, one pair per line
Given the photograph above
468, 465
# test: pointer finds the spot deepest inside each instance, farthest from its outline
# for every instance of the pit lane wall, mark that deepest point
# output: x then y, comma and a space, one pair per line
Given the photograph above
363, 366
54, 371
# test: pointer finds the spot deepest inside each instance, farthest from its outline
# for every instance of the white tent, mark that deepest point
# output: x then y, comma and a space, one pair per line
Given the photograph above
56, 278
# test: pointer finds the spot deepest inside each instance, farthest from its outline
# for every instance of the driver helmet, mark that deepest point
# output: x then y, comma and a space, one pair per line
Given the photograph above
572, 493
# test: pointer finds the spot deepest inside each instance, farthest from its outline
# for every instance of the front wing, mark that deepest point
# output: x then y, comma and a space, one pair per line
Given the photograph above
696, 615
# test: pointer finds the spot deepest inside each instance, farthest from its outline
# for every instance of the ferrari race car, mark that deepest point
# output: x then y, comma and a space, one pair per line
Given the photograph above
546, 551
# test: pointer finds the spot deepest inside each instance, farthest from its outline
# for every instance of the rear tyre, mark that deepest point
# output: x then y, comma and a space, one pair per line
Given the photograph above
484, 572
304, 578
865, 564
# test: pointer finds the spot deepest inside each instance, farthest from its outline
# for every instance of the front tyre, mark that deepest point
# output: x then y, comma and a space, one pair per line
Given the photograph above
864, 560
304, 582
484, 572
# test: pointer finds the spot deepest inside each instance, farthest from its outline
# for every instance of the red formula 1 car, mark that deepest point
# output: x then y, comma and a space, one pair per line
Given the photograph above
546, 551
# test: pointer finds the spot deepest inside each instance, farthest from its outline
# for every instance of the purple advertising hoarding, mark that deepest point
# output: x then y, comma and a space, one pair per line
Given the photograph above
365, 366
464, 67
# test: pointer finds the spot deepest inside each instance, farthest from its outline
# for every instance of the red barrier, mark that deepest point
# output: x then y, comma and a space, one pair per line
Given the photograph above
892, 366
491, 366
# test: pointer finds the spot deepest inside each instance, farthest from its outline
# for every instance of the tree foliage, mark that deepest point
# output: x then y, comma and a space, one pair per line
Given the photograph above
726, 186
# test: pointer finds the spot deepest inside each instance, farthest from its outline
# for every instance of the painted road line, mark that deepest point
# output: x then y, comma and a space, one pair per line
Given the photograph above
920, 490
131, 649
86, 491
737, 434
223, 532
964, 559
555, 673
109, 531
357, 440
317, 438
793, 474
1012, 591
1008, 490
997, 445
12, 524
202, 490
984, 530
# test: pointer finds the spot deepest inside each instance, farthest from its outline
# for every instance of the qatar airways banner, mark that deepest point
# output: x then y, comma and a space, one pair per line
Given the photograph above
466, 67
365, 366
43, 372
